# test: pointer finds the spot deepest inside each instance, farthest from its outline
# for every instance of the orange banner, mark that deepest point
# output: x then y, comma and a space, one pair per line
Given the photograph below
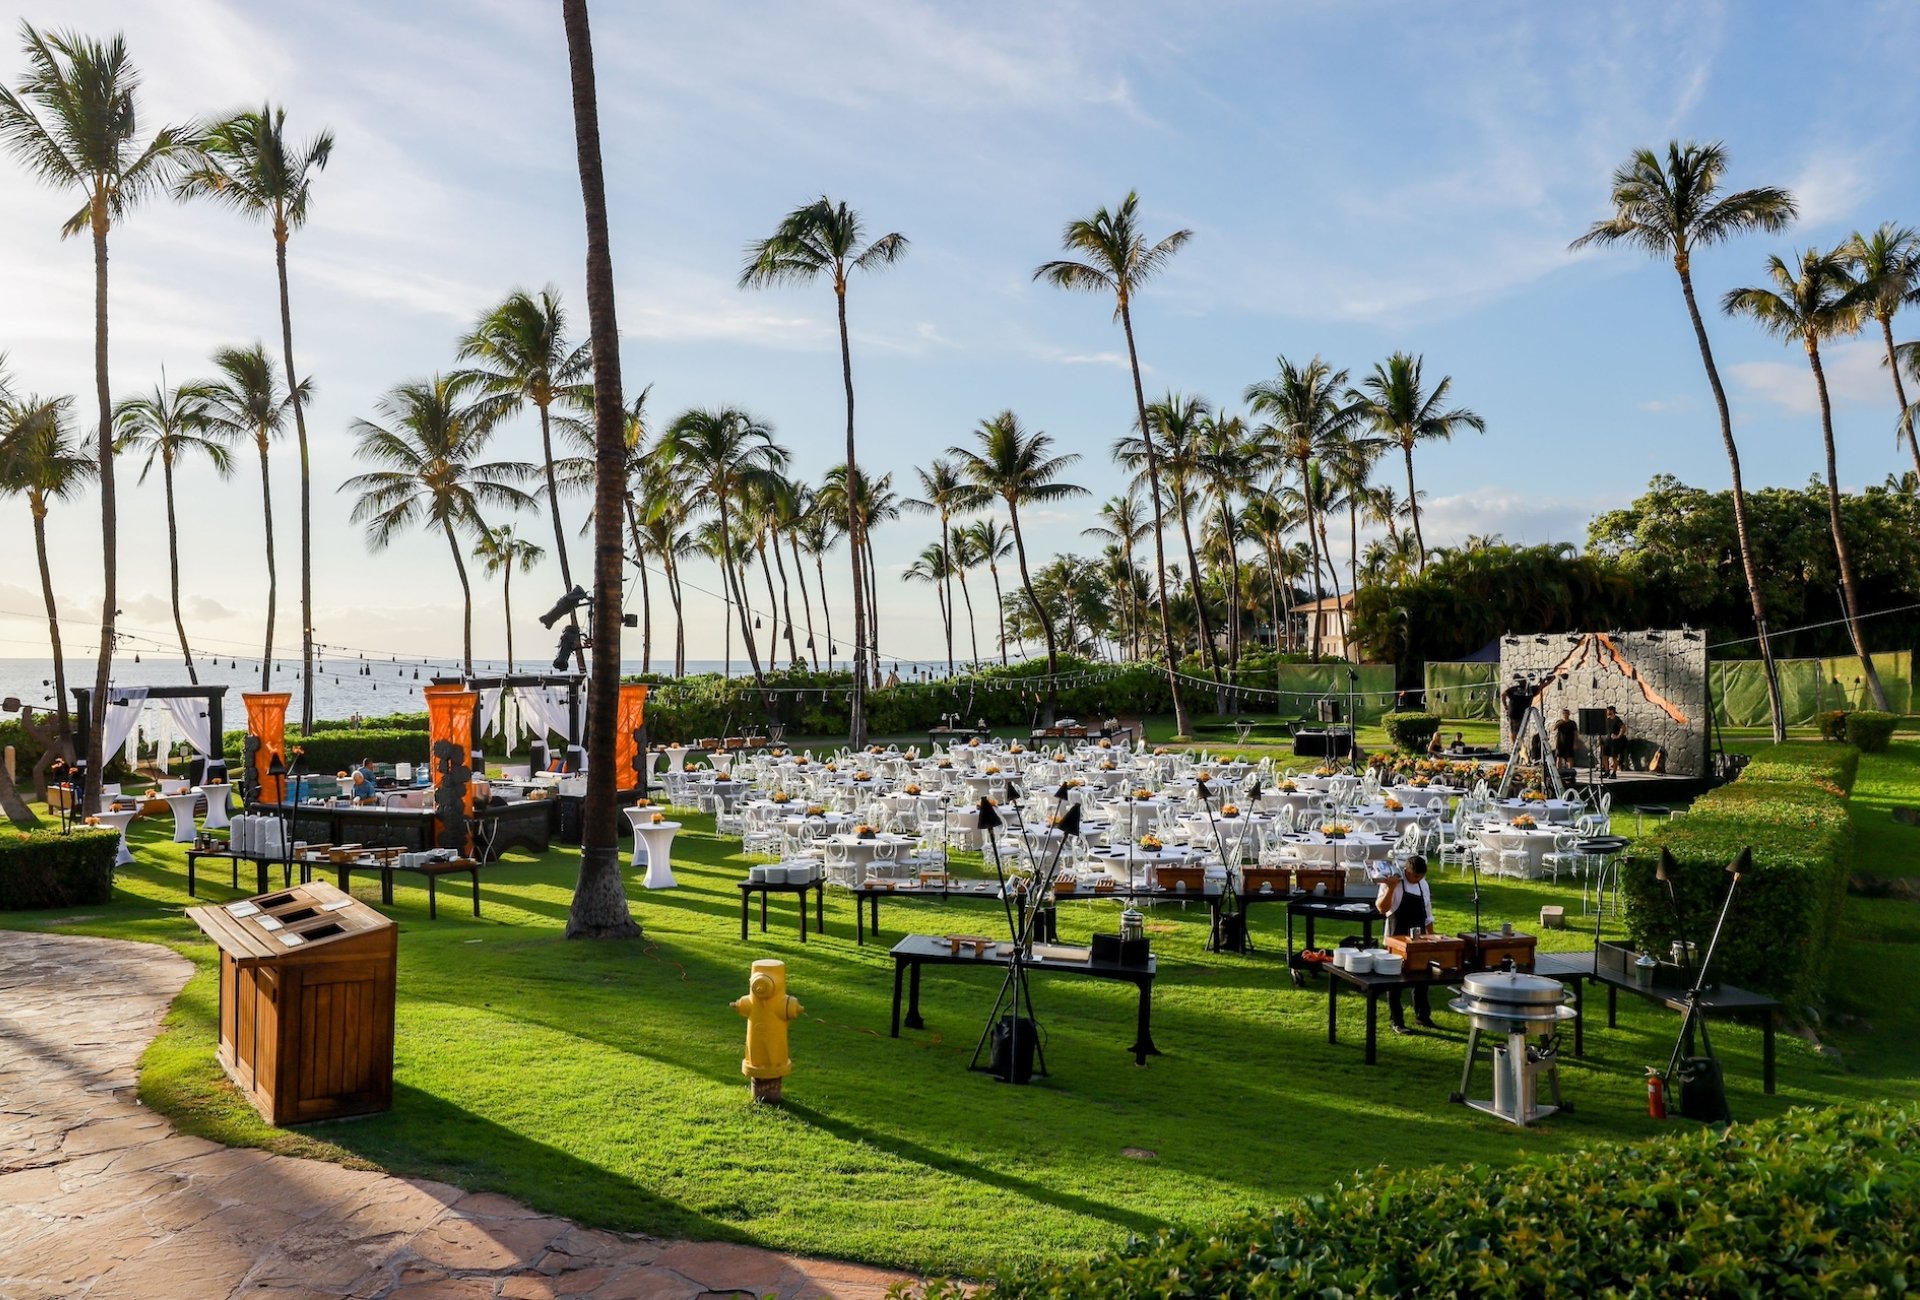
450, 713
632, 716
267, 723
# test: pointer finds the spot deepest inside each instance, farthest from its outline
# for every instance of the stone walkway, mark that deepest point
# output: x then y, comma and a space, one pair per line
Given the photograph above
100, 1198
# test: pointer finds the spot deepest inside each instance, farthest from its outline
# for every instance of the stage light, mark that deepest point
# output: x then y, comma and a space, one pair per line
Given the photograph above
570, 644
629, 620
565, 605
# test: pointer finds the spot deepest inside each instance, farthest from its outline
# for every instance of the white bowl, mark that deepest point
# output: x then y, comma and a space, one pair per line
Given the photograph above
776, 875
1342, 958
1360, 961
757, 875
1388, 963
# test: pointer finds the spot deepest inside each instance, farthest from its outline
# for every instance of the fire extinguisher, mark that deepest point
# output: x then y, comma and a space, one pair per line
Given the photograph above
1656, 1094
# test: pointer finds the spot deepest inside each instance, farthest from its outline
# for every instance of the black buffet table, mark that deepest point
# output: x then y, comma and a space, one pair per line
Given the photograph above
526, 824
917, 950
1372, 987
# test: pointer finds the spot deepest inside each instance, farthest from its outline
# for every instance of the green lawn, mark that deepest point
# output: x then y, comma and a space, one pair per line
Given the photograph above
602, 1080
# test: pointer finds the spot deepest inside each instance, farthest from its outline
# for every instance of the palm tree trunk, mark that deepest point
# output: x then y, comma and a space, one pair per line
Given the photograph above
773, 606
599, 897
1840, 551
1313, 552
826, 607
1273, 594
1778, 714
1333, 576
857, 710
873, 599
1353, 544
62, 727
1208, 651
466, 598
730, 571
646, 590
306, 480
1180, 721
806, 601
786, 603
1413, 505
973, 632
1900, 390
173, 567
679, 613
273, 578
946, 582
1039, 612
1000, 607
109, 520
506, 600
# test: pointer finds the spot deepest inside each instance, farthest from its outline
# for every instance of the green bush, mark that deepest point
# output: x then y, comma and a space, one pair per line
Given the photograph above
335, 751
1790, 807
1410, 732
1833, 724
1813, 1203
1869, 730
45, 868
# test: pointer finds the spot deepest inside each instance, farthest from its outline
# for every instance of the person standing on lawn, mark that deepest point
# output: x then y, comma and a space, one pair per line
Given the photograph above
1407, 903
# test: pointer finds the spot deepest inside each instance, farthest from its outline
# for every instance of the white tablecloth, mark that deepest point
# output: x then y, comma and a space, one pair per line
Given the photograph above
1535, 843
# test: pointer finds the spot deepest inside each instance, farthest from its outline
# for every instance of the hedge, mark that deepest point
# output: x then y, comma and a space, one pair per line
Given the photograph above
1869, 730
1811, 1203
1410, 732
44, 868
336, 751
1790, 807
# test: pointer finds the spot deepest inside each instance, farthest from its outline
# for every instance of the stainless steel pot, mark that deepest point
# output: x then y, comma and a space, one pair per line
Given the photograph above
1506, 1002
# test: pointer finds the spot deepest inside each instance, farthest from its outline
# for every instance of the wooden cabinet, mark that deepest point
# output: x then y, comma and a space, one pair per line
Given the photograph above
307, 982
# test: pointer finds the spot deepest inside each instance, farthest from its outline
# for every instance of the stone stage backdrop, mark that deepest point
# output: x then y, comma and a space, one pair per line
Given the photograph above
1656, 680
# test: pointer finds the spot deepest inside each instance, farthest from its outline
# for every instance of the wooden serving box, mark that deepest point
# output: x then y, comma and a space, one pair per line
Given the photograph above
307, 982
1253, 878
1490, 950
1173, 875
1446, 952
1306, 879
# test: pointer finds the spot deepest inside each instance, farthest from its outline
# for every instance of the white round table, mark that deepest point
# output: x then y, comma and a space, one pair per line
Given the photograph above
184, 805
1316, 847
676, 757
653, 846
1543, 810
119, 820
217, 806
1536, 844
171, 785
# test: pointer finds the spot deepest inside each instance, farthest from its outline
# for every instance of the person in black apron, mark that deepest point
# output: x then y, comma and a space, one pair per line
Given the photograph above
1407, 903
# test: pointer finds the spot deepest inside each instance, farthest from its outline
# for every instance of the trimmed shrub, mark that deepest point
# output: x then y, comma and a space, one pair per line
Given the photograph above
1869, 730
1790, 807
1812, 1203
334, 751
1410, 732
40, 869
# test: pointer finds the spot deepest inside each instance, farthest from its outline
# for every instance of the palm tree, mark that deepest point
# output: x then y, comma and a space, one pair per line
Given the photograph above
500, 552
965, 553
873, 502
247, 401
1668, 210
171, 426
1888, 265
1117, 259
1809, 303
73, 121
524, 356
817, 529
721, 452
824, 238
41, 460
1395, 400
1020, 468
802, 505
1309, 411
945, 493
251, 165
1266, 519
599, 909
1125, 527
933, 567
1174, 423
994, 544
434, 432
1227, 457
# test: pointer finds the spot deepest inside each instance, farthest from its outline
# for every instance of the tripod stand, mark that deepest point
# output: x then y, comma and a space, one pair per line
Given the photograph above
1703, 1071
1532, 734
1015, 992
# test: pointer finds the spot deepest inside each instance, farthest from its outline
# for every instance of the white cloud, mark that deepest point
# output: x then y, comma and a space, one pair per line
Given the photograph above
1832, 186
1856, 376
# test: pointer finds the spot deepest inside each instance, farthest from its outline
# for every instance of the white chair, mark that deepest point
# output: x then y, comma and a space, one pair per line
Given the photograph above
1564, 854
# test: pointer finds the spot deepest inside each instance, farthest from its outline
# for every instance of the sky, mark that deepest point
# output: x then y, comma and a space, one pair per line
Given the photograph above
1359, 178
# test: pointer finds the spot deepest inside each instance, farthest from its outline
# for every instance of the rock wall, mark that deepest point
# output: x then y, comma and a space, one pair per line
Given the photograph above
1656, 680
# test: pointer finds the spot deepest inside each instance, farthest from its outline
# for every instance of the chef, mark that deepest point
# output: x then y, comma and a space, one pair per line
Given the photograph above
1407, 903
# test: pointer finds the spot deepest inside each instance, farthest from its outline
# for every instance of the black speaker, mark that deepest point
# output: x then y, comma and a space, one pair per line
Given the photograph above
1703, 1091
1112, 950
1045, 926
1013, 1043
1593, 722
1329, 710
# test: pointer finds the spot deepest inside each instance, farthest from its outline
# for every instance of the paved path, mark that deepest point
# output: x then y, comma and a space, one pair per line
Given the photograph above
100, 1198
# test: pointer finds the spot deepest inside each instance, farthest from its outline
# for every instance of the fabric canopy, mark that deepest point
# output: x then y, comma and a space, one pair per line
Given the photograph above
123, 714
190, 716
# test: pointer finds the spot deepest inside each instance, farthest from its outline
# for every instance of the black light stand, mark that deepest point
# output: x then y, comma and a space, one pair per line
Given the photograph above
1015, 991
1230, 935
1690, 1017
1353, 718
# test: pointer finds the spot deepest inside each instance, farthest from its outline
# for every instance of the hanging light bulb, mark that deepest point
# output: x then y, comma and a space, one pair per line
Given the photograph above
136, 656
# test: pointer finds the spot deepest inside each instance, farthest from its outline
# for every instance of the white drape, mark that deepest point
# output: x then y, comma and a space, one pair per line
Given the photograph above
545, 707
190, 716
489, 706
124, 704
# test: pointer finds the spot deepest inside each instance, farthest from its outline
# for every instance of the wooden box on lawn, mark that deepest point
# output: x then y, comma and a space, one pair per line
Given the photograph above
307, 982
1489, 951
1429, 952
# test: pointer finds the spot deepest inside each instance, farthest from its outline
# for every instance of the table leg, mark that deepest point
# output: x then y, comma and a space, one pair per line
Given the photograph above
899, 969
1766, 1050
346, 874
261, 869
1466, 1071
875, 923
1143, 1030
744, 896
913, 1000
386, 885
819, 906
803, 913
1333, 1001
860, 921
192, 858
433, 898
1373, 1024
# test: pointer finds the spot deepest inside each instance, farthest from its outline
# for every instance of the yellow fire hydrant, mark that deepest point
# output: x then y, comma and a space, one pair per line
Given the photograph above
767, 1009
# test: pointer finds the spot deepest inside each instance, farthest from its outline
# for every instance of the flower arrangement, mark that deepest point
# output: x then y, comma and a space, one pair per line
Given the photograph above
1053, 819
643, 803
1105, 743
802, 761
781, 796
1323, 770
816, 810
1391, 804
1108, 765
1335, 830
1524, 823
1016, 748
865, 832
1141, 793
659, 818
875, 749
991, 769
863, 776
1534, 796
1075, 782
1151, 843
910, 789
1229, 810
1159, 751
833, 767
1420, 782
1289, 786
974, 743
341, 775
93, 821
945, 763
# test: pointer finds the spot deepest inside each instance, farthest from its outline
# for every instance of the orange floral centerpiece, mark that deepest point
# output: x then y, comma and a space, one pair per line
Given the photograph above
1108, 765
1151, 843
658, 818
1229, 810
865, 832
1142, 793
1016, 749
1534, 796
945, 763
1159, 751
974, 743
1106, 744
1289, 786
911, 789
643, 803
1420, 782
1203, 775
1391, 804
1524, 823
816, 810
781, 796
1335, 830
863, 776
1075, 782
991, 769
802, 761
1323, 771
